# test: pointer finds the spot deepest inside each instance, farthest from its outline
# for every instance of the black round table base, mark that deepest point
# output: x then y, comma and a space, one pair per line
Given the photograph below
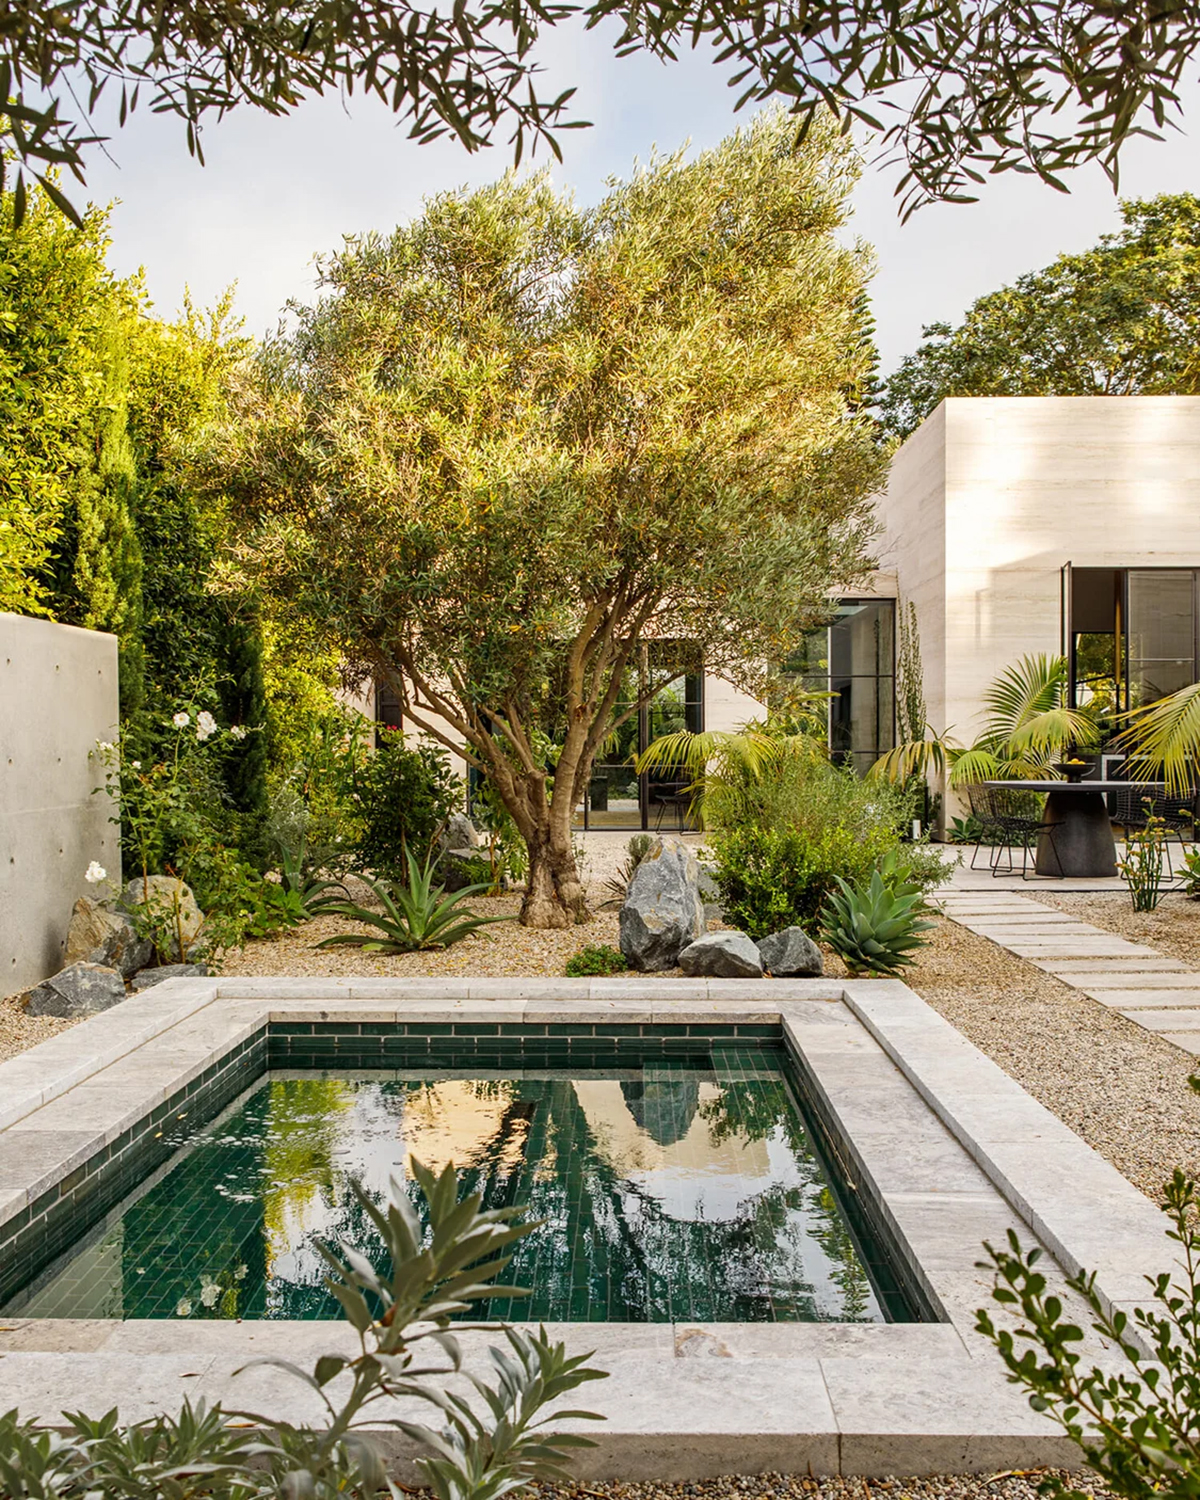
1082, 843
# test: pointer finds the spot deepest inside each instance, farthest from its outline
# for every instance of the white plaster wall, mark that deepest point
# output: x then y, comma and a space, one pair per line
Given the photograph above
58, 696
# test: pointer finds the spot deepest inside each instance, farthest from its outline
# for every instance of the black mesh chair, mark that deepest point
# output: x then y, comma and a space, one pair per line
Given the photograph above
1017, 818
1135, 805
979, 799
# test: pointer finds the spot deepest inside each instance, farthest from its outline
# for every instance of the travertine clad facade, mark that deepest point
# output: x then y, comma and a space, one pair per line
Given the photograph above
992, 496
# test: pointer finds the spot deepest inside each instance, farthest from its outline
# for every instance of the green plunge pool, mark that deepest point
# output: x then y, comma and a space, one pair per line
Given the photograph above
682, 1188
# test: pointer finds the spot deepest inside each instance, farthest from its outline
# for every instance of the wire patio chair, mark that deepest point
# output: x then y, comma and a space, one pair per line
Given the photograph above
1010, 813
1135, 805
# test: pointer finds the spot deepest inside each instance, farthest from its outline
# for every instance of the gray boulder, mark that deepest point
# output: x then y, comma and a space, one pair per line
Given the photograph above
78, 991
99, 936
790, 954
159, 893
460, 833
710, 895
663, 912
722, 955
148, 978
458, 868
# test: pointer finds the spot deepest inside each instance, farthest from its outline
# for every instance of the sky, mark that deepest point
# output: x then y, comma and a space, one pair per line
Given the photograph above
276, 192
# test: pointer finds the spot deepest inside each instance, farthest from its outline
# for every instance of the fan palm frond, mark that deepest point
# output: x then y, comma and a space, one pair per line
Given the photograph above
1164, 738
926, 758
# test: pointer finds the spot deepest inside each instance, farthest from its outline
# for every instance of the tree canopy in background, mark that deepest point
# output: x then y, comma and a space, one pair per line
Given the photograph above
958, 89
1121, 319
517, 439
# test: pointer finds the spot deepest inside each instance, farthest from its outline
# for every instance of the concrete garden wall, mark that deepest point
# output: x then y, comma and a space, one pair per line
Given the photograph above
58, 696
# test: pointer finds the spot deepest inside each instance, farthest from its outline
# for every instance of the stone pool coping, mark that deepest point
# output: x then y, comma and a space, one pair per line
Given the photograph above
947, 1148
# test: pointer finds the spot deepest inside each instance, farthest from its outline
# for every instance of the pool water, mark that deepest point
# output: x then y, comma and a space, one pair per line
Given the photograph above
670, 1191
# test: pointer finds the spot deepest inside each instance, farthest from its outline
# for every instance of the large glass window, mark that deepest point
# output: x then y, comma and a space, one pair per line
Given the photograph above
853, 660
1134, 635
1160, 634
617, 796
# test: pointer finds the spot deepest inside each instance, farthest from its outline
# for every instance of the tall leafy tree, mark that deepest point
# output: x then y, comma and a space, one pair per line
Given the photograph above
515, 440
1120, 319
958, 89
56, 305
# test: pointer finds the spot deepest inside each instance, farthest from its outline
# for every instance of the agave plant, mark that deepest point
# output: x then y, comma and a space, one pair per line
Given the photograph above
312, 892
874, 929
415, 915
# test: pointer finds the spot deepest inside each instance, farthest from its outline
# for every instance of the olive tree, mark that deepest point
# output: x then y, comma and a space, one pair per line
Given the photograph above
957, 89
516, 440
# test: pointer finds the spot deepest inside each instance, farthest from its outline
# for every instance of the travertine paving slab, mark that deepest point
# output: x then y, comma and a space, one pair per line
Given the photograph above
1115, 979
1165, 1020
1134, 1000
1188, 1040
1154, 964
1148, 988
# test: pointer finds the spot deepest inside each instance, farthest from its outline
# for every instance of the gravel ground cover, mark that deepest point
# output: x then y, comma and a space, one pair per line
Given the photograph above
1174, 929
1006, 1486
19, 1031
1124, 1090
502, 950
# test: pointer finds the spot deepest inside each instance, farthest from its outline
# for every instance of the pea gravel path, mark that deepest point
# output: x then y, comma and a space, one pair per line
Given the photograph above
1008, 1486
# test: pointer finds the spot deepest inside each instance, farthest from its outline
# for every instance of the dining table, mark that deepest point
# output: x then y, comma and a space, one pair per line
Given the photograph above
1082, 844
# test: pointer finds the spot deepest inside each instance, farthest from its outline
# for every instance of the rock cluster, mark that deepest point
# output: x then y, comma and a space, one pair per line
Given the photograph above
663, 923
103, 952
166, 897
722, 955
100, 936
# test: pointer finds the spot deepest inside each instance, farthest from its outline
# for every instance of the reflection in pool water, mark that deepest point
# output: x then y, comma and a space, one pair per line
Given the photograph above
667, 1192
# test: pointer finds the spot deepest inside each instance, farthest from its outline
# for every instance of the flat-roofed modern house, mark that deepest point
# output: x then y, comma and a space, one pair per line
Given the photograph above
1020, 525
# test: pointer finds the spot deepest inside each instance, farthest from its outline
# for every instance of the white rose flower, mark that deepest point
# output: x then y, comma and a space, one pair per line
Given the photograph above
183, 1308
181, 720
205, 724
237, 731
136, 765
210, 1294
104, 746
95, 873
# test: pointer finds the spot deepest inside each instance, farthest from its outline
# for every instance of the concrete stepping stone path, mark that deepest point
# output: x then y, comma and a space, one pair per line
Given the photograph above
1159, 993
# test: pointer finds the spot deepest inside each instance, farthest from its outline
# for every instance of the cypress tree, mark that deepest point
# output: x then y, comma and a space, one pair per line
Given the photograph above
98, 560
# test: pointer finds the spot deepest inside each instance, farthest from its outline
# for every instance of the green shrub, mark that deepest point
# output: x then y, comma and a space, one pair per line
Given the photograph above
803, 824
873, 927
1136, 1425
404, 796
596, 958
480, 1445
1190, 874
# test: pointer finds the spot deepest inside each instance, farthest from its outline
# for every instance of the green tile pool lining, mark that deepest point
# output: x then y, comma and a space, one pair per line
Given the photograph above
63, 1215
